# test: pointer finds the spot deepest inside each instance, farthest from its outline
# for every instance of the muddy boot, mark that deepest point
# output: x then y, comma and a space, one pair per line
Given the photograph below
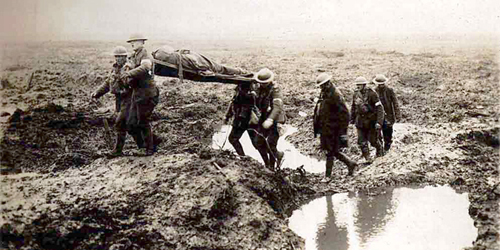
387, 146
156, 141
351, 165
119, 143
148, 138
380, 152
328, 172
368, 159
280, 155
237, 146
138, 138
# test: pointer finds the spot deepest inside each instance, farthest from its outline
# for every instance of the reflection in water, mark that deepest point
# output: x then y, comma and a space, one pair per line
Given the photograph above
403, 218
293, 158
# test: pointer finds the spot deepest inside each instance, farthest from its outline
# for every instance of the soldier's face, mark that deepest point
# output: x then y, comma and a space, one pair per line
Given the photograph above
121, 60
325, 86
136, 44
360, 87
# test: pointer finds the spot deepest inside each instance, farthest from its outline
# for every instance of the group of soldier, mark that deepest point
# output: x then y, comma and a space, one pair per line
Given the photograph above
131, 81
257, 108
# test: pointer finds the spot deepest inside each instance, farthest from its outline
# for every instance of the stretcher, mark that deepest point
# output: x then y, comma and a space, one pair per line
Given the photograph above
185, 64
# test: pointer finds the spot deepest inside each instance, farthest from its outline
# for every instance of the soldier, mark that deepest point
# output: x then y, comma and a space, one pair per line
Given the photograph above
265, 133
241, 108
331, 119
368, 115
391, 107
145, 94
123, 95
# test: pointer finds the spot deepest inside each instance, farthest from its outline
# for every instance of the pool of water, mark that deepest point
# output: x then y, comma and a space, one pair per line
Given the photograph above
401, 218
293, 158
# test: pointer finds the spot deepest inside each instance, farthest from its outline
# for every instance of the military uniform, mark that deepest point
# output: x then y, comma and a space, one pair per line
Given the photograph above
123, 95
145, 96
331, 119
240, 107
392, 113
270, 104
367, 110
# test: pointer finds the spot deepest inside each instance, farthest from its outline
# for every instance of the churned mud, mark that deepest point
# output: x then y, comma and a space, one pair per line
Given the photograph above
61, 191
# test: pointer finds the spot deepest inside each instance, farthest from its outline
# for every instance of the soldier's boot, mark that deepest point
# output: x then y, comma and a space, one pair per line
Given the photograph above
237, 146
119, 143
380, 150
138, 138
272, 160
366, 155
387, 146
280, 155
148, 138
265, 157
328, 172
156, 141
351, 165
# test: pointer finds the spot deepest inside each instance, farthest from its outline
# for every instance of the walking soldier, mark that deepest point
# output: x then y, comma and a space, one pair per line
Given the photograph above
123, 94
368, 116
391, 107
331, 120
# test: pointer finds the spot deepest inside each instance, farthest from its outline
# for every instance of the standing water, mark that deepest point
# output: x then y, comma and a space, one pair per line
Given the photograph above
293, 158
401, 218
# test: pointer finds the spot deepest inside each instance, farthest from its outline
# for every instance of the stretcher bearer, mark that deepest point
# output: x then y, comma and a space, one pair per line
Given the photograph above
145, 93
265, 134
331, 120
123, 94
244, 101
391, 107
367, 113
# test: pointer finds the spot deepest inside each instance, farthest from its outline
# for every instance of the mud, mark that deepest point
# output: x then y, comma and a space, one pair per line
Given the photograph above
190, 196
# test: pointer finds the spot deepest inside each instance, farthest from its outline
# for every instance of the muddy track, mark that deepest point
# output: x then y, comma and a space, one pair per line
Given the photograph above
189, 196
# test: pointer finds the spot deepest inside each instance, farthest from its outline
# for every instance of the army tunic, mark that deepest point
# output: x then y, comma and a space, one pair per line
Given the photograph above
331, 119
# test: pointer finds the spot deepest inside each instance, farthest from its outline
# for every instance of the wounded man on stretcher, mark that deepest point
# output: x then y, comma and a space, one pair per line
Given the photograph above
186, 64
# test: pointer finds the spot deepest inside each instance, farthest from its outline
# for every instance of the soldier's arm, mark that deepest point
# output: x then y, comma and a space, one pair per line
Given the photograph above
277, 104
353, 110
104, 88
343, 114
395, 104
378, 107
141, 71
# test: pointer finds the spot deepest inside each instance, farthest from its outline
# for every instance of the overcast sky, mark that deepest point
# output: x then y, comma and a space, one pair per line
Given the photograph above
244, 19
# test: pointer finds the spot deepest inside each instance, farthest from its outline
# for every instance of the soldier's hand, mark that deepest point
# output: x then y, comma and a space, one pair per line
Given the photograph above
267, 123
377, 126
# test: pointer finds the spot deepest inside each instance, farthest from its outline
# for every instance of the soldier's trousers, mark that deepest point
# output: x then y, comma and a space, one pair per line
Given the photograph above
139, 119
122, 128
239, 127
371, 135
266, 142
387, 131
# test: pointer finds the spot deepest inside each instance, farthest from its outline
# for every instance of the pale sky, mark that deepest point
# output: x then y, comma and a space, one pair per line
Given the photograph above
244, 19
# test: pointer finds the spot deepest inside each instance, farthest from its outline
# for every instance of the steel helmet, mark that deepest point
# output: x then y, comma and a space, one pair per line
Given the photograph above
380, 79
136, 37
120, 51
264, 75
360, 80
322, 78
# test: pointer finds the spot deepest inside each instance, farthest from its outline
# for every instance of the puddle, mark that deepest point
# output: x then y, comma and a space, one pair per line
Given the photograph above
402, 218
293, 158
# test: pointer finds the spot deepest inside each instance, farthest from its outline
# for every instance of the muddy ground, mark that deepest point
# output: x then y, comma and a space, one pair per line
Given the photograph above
61, 191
